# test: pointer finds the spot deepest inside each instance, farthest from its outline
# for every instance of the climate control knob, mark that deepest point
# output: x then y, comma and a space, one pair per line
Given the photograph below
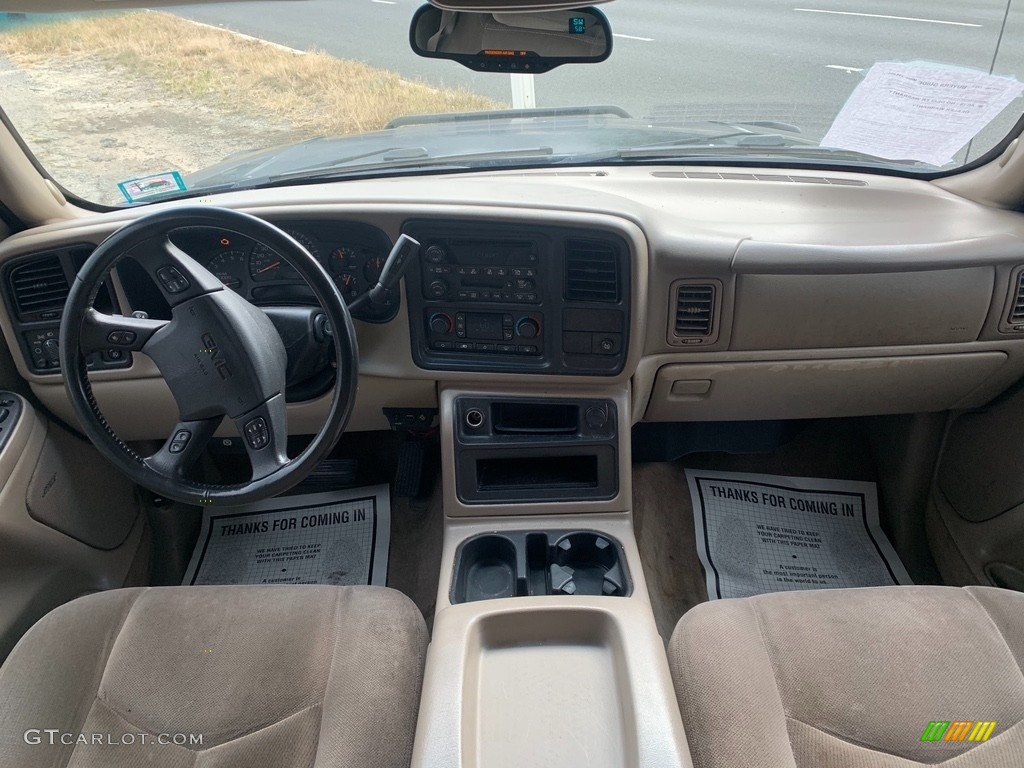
437, 289
527, 328
440, 323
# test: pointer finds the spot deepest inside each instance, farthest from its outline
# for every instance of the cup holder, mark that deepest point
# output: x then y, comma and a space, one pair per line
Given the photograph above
521, 563
487, 570
586, 564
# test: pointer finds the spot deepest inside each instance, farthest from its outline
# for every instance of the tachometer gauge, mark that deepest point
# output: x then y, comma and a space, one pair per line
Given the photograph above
230, 267
267, 263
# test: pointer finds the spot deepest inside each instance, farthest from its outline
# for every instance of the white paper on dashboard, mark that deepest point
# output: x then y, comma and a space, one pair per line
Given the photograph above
919, 111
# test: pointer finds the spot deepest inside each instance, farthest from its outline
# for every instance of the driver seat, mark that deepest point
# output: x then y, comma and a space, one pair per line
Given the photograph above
282, 676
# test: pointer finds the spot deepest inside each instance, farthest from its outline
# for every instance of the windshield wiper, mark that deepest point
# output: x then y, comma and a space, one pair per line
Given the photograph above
758, 148
412, 159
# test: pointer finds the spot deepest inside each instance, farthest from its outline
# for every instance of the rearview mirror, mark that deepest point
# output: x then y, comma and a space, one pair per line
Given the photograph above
520, 41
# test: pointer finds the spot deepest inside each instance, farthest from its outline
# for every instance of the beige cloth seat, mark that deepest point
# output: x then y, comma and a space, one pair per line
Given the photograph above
282, 676
852, 678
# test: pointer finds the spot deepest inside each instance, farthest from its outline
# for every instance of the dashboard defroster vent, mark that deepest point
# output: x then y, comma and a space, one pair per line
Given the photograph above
591, 271
1017, 308
39, 285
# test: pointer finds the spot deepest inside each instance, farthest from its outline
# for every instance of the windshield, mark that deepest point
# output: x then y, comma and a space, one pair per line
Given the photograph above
124, 108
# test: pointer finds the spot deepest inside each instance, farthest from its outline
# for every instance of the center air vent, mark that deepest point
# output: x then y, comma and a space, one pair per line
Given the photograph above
39, 285
1017, 308
693, 307
591, 271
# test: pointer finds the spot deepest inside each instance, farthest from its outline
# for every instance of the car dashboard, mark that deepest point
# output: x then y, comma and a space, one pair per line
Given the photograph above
688, 294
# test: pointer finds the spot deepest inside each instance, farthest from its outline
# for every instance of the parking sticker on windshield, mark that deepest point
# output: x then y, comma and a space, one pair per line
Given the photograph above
765, 533
919, 111
339, 537
145, 187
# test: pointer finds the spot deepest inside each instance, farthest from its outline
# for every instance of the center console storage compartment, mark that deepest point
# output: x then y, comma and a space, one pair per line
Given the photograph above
519, 450
564, 672
533, 563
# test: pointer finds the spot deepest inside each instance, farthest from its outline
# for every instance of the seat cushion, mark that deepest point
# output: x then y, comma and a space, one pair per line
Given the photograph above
852, 678
282, 676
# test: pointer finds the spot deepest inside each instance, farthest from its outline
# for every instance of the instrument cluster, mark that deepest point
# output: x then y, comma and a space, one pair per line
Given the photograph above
352, 253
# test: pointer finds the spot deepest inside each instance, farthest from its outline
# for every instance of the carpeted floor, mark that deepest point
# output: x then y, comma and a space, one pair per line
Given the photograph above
414, 565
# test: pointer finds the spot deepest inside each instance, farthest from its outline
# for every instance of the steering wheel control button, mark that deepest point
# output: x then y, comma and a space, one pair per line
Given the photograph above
180, 441
172, 280
121, 337
256, 433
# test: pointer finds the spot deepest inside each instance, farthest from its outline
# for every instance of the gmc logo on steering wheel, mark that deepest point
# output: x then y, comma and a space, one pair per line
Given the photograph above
216, 356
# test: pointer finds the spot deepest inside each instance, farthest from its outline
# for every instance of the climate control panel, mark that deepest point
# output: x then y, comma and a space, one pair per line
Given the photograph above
503, 333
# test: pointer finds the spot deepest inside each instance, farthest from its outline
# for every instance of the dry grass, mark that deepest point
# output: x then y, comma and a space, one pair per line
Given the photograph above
314, 92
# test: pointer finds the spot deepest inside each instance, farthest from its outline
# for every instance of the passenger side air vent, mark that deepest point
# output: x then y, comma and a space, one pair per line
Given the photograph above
39, 286
694, 312
591, 271
1017, 307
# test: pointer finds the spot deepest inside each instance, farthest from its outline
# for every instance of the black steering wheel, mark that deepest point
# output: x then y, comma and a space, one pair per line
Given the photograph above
219, 355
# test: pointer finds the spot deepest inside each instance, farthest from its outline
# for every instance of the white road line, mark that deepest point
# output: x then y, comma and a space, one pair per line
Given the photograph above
634, 37
384, 2
883, 16
845, 69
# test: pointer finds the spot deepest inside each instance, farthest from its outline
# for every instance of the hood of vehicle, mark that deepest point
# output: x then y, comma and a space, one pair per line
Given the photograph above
559, 134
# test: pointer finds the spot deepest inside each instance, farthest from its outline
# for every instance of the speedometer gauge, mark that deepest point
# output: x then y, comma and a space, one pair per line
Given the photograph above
267, 263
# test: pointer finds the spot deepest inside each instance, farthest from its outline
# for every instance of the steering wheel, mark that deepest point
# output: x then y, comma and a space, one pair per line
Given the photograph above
220, 356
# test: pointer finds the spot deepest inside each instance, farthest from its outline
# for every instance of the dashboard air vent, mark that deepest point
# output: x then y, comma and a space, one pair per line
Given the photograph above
591, 271
39, 285
695, 310
1017, 310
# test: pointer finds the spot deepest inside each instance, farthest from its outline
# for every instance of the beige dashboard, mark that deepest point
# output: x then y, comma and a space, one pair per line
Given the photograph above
826, 294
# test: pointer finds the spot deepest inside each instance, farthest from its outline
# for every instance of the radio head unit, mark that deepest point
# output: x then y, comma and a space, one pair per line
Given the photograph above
492, 297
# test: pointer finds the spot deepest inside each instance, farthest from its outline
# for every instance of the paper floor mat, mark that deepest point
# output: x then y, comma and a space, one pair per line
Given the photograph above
766, 533
338, 537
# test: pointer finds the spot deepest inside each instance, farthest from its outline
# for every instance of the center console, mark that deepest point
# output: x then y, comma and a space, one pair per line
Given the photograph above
495, 297
515, 450
544, 648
